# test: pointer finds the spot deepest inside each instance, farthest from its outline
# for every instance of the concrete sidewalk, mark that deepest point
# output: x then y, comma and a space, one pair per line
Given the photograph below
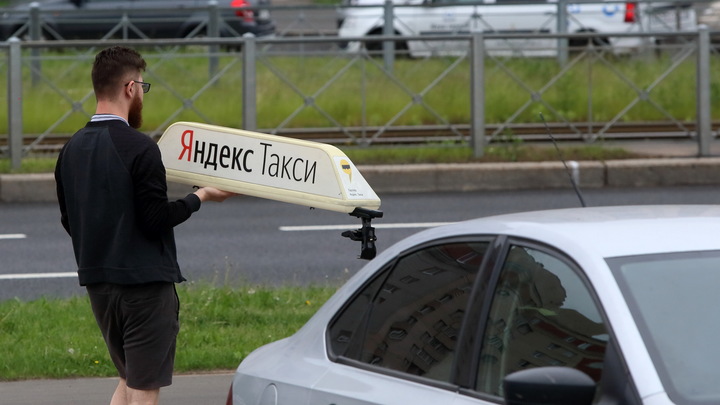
194, 389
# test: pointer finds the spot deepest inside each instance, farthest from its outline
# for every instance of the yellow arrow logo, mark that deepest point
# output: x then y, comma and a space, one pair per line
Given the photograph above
346, 168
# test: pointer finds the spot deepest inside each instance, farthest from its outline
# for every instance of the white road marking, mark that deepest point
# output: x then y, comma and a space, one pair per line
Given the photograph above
12, 236
29, 276
353, 226
282, 228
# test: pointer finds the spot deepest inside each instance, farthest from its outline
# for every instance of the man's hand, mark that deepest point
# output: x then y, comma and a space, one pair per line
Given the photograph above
213, 194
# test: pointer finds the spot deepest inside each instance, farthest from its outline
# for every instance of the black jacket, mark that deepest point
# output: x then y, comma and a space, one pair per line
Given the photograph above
112, 193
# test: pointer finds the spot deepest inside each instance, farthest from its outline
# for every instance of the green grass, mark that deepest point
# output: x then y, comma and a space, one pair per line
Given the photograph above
358, 92
512, 152
29, 165
58, 338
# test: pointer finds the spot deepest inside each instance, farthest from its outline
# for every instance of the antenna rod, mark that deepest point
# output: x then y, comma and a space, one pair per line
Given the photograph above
567, 169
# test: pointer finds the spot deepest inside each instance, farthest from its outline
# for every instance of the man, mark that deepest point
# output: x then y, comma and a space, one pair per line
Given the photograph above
113, 200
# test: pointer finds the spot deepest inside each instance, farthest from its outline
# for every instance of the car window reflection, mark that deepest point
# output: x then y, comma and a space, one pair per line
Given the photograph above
416, 314
541, 315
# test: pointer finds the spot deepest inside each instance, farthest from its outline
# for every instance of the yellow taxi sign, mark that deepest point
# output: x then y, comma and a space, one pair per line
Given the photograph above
267, 166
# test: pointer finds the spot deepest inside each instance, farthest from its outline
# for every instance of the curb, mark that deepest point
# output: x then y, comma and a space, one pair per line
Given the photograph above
542, 175
419, 178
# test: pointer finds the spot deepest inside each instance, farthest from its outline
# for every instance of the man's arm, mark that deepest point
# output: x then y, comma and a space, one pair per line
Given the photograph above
155, 213
61, 195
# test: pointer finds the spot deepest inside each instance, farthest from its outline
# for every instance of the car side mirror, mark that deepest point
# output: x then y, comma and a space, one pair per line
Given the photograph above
549, 386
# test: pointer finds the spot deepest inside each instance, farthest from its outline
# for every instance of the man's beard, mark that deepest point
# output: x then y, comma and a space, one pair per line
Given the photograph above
135, 113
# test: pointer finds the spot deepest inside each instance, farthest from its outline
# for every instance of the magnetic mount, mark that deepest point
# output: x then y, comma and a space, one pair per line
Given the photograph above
366, 234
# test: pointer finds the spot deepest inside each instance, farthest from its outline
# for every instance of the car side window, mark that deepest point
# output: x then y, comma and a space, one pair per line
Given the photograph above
409, 319
542, 314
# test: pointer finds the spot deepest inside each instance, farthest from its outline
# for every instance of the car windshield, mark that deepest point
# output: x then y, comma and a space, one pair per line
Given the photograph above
673, 298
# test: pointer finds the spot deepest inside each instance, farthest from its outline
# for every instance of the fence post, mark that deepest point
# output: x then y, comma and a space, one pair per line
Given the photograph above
249, 84
125, 24
213, 31
477, 95
388, 30
704, 127
14, 89
35, 35
562, 23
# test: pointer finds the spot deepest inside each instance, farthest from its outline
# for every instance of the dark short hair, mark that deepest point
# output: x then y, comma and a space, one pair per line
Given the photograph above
112, 66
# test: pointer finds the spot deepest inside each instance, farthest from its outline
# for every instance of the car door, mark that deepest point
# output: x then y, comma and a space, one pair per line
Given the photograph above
145, 18
395, 341
91, 19
446, 17
505, 18
96, 19
436, 17
542, 312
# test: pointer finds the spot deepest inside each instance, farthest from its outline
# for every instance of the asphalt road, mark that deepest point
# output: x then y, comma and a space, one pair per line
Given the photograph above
246, 240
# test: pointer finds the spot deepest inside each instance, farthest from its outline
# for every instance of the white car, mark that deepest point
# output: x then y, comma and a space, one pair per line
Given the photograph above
710, 16
419, 18
608, 305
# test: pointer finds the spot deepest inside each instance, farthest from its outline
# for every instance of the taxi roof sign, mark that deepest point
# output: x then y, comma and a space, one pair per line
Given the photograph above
267, 166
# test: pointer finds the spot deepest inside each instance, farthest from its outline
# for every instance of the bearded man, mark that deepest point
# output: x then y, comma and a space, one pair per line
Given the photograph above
112, 193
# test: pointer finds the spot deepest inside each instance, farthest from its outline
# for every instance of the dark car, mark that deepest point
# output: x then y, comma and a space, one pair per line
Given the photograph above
96, 19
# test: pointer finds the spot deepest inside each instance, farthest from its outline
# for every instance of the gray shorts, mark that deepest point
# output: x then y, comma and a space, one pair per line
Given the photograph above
139, 324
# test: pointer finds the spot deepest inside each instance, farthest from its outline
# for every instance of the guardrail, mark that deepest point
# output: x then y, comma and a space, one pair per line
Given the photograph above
255, 65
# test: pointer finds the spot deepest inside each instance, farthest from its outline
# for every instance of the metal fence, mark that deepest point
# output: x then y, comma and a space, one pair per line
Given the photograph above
308, 85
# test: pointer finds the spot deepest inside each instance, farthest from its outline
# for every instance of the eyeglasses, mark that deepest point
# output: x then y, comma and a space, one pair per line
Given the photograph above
145, 86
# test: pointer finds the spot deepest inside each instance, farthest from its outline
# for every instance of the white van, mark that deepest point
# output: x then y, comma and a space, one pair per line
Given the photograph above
438, 17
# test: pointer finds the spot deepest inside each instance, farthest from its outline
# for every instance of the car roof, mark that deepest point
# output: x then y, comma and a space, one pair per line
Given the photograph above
601, 231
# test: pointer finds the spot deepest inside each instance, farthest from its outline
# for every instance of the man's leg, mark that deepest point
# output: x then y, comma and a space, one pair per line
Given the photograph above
125, 395
120, 395
142, 397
